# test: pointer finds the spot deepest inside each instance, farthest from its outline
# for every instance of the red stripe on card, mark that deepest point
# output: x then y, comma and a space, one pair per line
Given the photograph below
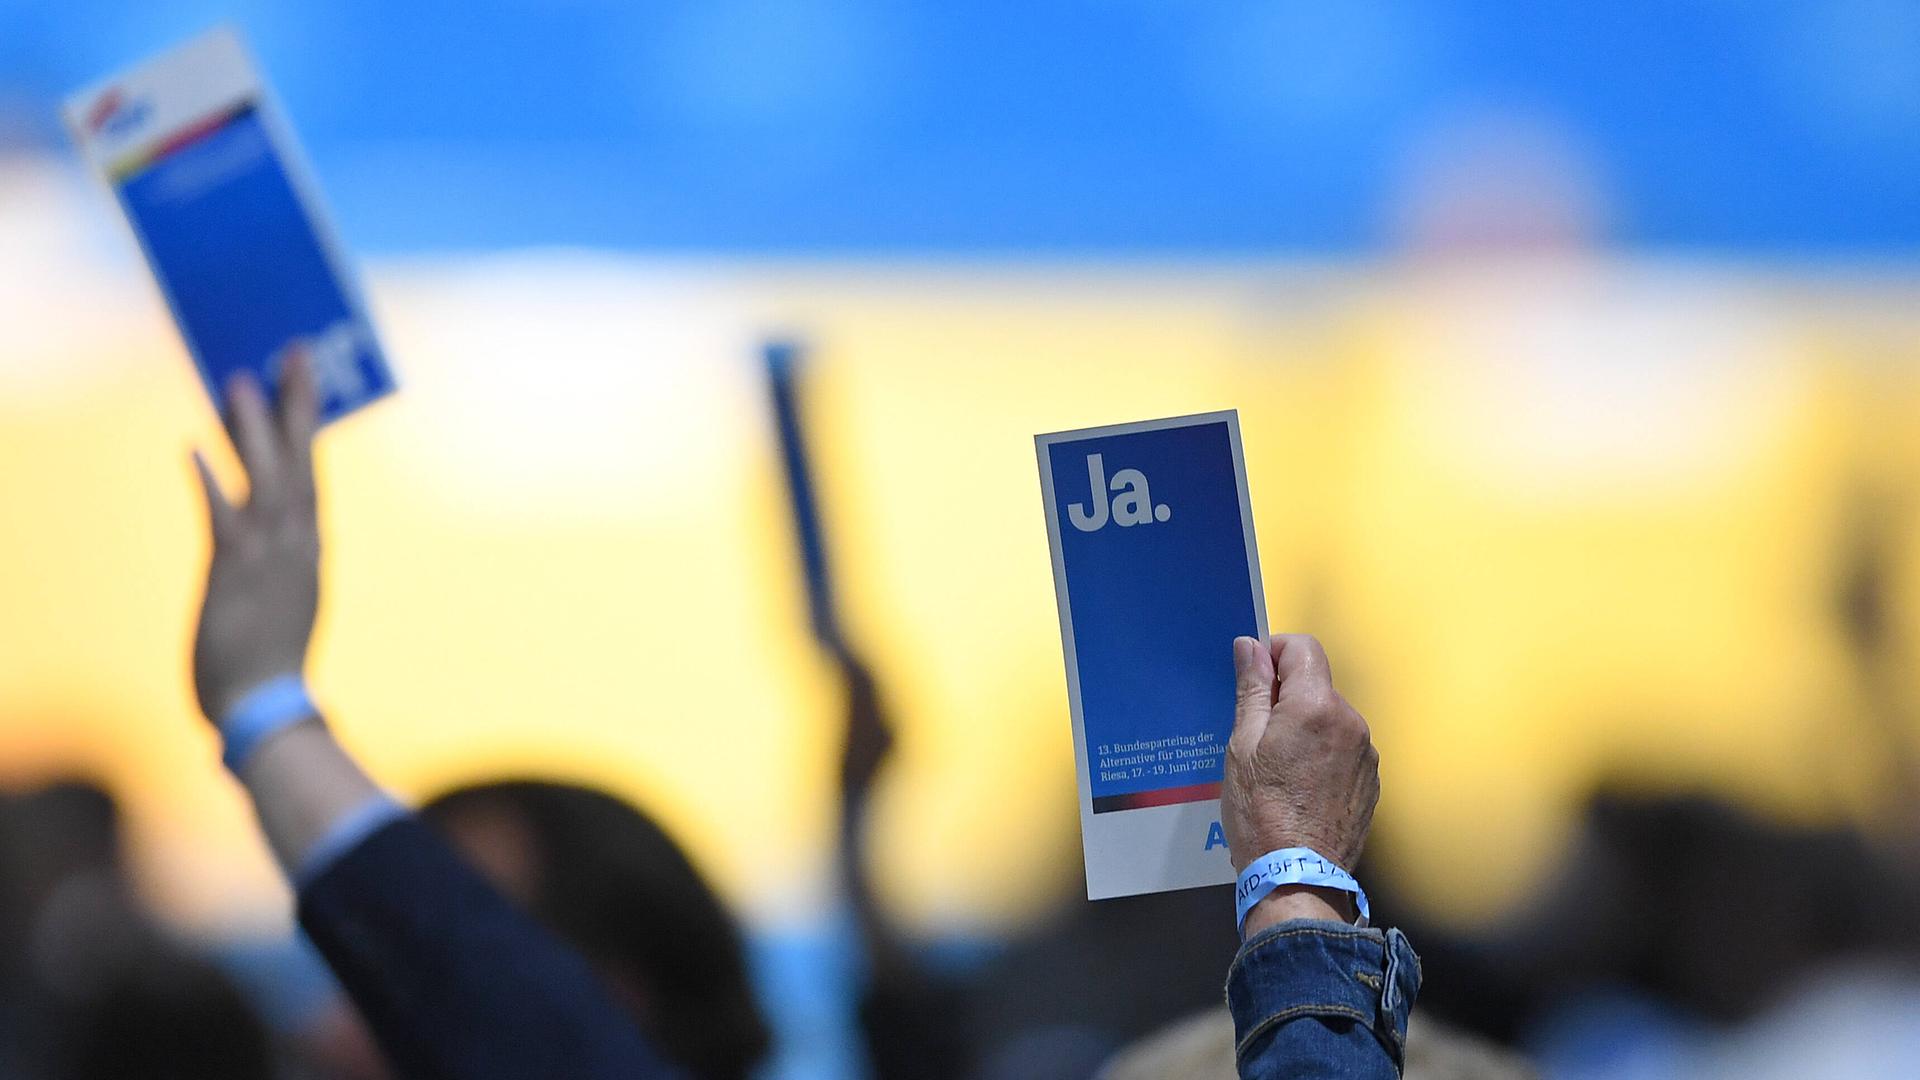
1162, 797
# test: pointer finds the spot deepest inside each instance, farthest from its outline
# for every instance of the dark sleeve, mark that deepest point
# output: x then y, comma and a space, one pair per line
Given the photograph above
1322, 1001
455, 982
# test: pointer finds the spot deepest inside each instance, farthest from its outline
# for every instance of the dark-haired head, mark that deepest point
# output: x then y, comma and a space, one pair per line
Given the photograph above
608, 880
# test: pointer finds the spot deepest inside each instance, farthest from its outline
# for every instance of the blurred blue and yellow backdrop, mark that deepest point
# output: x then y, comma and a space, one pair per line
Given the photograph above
1573, 346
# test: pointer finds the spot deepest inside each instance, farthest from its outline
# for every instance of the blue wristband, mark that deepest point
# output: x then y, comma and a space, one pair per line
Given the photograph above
1293, 866
263, 712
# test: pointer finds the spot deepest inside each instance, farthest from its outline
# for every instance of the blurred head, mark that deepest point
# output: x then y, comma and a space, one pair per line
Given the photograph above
60, 839
1201, 1047
611, 883
96, 987
157, 1014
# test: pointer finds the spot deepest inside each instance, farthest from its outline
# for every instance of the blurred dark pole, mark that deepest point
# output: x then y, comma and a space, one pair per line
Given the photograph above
1865, 599
783, 362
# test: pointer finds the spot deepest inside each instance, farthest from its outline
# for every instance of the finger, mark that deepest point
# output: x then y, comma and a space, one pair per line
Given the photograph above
299, 403
299, 418
219, 510
1301, 664
1253, 691
253, 434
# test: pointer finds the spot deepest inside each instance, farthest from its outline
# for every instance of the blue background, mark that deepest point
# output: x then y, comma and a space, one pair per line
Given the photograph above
245, 273
1149, 126
1156, 607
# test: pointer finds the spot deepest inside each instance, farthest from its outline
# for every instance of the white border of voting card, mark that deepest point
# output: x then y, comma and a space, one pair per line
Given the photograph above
1150, 848
204, 75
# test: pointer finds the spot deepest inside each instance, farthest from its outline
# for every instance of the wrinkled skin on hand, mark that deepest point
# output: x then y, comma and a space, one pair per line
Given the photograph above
1301, 768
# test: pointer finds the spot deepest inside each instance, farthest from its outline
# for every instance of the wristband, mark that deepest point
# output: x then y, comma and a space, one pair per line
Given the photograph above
261, 713
1293, 866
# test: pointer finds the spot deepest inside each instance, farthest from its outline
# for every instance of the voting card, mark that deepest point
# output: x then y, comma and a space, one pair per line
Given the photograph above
207, 172
1155, 572
784, 362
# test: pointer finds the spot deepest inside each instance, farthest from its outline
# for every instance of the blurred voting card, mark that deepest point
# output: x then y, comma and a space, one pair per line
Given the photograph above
1155, 571
208, 175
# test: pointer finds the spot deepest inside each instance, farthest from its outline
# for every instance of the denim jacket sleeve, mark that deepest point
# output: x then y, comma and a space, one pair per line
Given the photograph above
1322, 1001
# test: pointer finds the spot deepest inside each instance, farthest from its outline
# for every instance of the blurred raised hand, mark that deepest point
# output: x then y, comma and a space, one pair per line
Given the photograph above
263, 584
868, 739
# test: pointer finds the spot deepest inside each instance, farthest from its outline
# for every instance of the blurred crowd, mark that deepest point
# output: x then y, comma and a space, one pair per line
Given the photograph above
1681, 936
1682, 932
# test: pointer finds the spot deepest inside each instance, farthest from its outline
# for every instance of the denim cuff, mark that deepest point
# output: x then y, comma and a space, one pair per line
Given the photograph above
1329, 971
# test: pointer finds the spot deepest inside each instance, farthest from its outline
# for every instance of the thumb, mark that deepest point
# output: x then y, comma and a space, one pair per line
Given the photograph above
1253, 690
219, 509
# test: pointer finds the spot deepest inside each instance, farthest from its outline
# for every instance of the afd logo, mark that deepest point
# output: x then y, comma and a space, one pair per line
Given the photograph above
1216, 837
114, 114
1131, 504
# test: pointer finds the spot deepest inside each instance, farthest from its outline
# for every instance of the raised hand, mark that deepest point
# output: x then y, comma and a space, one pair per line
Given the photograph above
868, 738
1301, 767
263, 585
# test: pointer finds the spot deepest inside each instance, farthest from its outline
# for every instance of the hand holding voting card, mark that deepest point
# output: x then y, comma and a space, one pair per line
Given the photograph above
208, 175
1156, 573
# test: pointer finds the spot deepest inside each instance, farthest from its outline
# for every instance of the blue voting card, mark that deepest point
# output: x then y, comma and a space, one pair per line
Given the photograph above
1155, 574
784, 361
208, 176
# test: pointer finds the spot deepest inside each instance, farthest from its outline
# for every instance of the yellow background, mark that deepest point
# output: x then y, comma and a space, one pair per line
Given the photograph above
1556, 523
